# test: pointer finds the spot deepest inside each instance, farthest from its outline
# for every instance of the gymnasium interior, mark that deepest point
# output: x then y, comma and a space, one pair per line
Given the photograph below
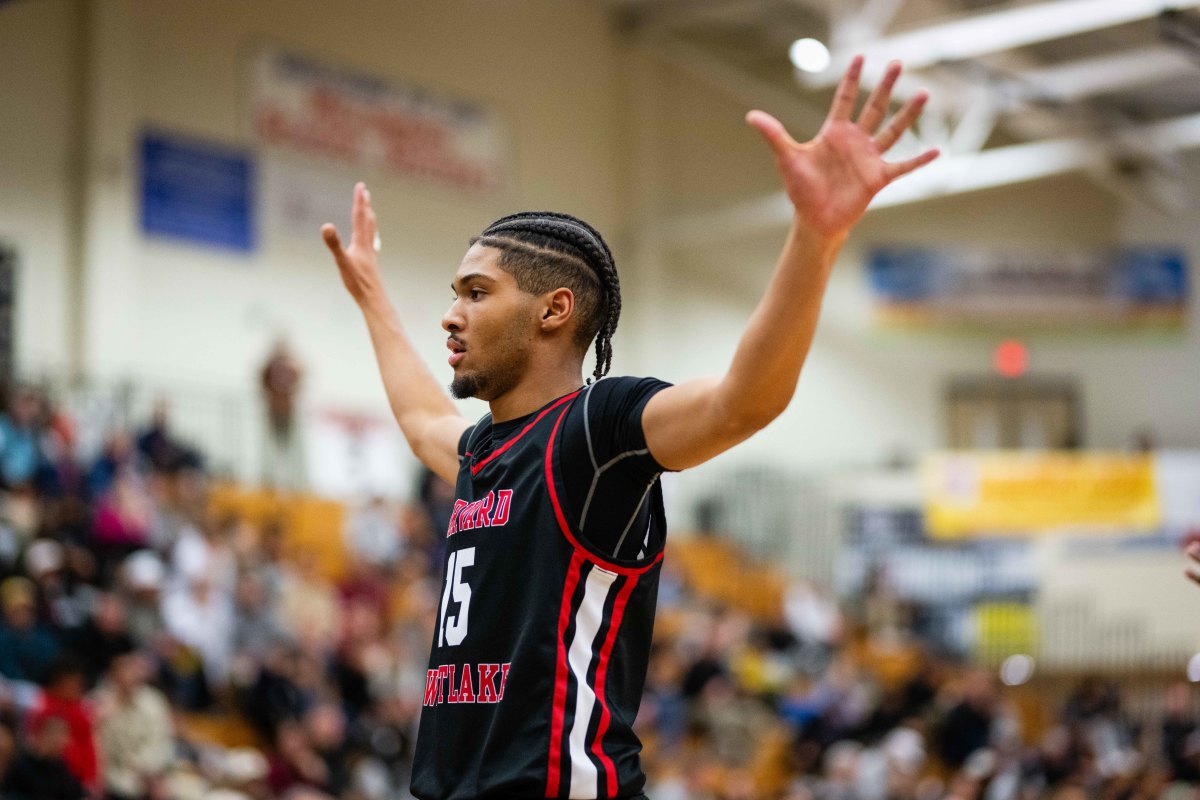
953, 569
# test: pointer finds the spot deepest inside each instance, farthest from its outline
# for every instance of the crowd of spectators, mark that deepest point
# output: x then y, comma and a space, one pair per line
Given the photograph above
132, 617
739, 710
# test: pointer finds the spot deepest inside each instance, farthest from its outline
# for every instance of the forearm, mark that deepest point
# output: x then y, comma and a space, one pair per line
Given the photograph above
415, 397
766, 366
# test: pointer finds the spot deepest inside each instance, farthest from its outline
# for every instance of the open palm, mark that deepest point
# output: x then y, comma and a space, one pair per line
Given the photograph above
831, 179
357, 262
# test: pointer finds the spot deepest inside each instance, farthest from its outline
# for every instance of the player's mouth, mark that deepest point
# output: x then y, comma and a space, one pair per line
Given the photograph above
457, 351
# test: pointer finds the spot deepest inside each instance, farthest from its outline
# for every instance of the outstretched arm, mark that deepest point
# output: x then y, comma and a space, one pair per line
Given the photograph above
430, 422
830, 180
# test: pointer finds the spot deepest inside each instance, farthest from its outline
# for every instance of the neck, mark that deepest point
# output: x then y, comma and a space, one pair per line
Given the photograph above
529, 396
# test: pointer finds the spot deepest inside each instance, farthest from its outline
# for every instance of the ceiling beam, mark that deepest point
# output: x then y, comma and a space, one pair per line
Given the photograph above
1086, 77
996, 31
949, 175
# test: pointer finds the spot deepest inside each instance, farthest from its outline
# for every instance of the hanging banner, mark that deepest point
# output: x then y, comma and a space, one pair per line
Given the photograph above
304, 106
1024, 494
197, 191
354, 455
1145, 287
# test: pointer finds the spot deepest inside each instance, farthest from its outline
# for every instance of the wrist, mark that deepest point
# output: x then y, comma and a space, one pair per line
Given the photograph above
376, 305
816, 242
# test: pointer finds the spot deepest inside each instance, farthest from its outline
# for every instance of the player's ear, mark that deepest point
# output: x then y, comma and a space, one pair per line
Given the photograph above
556, 309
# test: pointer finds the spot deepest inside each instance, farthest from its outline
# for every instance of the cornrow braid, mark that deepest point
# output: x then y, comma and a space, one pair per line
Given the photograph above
577, 238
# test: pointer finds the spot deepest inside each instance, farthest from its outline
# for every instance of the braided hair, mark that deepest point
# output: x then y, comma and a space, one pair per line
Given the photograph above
543, 251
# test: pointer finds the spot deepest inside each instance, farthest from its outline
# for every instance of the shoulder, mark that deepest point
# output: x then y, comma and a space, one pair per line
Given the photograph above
621, 391
606, 420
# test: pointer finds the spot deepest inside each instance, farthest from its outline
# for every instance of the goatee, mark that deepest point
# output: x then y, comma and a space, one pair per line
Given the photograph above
465, 386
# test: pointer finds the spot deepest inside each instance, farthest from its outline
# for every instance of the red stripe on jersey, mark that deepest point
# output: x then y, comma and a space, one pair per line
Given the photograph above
476, 467
558, 710
562, 519
618, 611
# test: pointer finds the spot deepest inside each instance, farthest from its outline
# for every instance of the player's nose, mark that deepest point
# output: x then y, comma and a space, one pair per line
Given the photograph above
452, 320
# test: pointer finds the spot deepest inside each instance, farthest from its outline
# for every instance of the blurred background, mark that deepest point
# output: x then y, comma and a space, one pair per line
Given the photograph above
952, 569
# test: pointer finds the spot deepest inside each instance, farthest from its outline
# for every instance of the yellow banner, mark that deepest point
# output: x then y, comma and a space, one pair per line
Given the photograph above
1026, 494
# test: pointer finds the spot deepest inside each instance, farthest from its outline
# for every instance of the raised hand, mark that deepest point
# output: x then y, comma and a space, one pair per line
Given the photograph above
832, 178
358, 263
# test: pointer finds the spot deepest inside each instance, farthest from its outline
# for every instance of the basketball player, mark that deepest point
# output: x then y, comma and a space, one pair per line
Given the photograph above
554, 548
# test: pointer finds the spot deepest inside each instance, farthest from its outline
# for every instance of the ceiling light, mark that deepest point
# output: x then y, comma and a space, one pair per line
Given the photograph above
809, 55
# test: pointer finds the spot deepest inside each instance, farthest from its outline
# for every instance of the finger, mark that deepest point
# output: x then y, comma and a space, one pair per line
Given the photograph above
903, 120
1193, 575
1193, 551
847, 92
332, 240
893, 171
359, 231
772, 130
881, 97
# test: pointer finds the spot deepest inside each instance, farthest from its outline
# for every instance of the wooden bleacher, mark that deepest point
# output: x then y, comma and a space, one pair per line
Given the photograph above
311, 524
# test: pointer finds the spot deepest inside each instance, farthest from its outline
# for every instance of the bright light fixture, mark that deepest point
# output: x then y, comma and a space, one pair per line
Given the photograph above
1016, 670
1193, 669
809, 55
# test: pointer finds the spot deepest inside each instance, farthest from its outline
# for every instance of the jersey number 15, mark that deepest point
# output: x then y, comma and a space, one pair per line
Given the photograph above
452, 630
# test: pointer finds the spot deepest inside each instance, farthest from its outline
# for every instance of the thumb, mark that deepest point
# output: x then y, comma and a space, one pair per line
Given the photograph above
771, 130
332, 241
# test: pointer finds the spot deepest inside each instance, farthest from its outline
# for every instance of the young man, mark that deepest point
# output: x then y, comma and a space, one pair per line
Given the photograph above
553, 552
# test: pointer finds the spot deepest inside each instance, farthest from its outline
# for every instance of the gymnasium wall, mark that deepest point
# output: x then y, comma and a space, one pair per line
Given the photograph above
37, 169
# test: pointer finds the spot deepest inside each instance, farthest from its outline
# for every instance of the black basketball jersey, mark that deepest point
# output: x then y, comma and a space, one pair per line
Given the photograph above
541, 644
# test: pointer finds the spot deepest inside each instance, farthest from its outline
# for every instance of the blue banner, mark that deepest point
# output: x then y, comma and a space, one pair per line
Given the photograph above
1057, 288
197, 191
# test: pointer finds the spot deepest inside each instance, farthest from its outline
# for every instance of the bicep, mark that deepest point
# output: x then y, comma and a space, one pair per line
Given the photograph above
438, 447
687, 424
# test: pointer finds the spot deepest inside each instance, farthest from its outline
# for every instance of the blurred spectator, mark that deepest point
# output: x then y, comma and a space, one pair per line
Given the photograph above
373, 535
28, 649
117, 456
64, 600
283, 457
1181, 734
160, 448
20, 451
280, 693
61, 473
197, 615
123, 520
104, 637
63, 699
40, 771
968, 725
141, 580
136, 734
255, 626
309, 611
295, 762
325, 726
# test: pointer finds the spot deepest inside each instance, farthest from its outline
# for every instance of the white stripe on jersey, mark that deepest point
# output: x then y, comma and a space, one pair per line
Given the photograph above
584, 779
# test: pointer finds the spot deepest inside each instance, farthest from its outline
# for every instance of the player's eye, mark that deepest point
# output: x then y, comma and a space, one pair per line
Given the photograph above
476, 294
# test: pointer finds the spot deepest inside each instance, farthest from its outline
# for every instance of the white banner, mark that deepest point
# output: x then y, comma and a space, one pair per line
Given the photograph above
304, 106
352, 455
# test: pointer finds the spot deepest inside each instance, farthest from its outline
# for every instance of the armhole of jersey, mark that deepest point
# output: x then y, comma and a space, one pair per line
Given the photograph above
466, 441
554, 486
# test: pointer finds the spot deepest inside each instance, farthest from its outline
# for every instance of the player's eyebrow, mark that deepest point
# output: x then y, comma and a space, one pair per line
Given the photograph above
470, 277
